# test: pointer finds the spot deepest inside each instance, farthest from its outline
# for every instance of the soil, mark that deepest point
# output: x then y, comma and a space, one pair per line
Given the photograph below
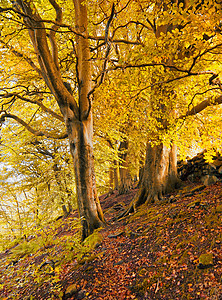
167, 250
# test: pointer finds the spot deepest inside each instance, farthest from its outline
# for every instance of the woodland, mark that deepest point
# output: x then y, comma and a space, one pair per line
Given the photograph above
100, 100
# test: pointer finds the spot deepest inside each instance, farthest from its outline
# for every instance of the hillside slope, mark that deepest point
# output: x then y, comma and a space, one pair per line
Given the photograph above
170, 250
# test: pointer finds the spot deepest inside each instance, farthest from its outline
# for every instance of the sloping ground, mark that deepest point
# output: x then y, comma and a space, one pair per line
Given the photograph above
171, 250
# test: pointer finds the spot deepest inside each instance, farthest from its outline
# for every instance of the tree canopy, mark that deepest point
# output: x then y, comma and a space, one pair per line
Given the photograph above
155, 70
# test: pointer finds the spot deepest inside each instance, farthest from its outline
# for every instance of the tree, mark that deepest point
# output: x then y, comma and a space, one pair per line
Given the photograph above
173, 63
77, 114
161, 41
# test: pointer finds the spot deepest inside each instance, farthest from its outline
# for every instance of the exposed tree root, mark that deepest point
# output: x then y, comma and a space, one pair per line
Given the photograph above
145, 196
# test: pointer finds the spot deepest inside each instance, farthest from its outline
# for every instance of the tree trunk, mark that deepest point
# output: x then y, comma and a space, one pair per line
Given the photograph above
125, 177
160, 170
88, 203
77, 114
160, 174
113, 177
111, 180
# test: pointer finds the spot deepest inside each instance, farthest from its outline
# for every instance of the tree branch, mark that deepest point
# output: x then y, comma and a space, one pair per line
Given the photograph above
53, 30
22, 55
201, 106
29, 128
39, 103
52, 75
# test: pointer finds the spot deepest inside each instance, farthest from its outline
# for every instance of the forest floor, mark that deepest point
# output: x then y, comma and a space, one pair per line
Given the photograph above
170, 250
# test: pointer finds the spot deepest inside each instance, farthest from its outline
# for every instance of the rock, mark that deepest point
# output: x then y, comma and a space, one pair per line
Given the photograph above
209, 179
116, 234
217, 162
81, 294
197, 167
191, 177
220, 170
205, 261
71, 289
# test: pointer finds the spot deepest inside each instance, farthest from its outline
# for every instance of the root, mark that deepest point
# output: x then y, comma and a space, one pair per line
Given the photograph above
138, 200
142, 196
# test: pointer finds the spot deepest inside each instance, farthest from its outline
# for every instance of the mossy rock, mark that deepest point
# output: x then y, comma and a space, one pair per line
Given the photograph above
218, 208
194, 204
93, 240
86, 258
71, 289
205, 261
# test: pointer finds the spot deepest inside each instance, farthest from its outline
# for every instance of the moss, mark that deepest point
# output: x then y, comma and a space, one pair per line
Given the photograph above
141, 212
155, 217
212, 220
182, 244
184, 257
218, 208
26, 248
194, 204
141, 286
86, 259
93, 240
206, 259
194, 238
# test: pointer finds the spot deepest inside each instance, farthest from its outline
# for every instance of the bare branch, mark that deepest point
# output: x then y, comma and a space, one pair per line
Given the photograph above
39, 103
201, 106
29, 128
104, 71
108, 23
52, 33
23, 56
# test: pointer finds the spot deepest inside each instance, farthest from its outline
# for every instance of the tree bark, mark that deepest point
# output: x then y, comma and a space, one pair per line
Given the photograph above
159, 176
160, 173
113, 177
125, 178
160, 170
88, 203
77, 115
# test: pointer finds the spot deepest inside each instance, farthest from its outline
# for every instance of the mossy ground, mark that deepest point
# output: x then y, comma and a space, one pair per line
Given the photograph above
153, 254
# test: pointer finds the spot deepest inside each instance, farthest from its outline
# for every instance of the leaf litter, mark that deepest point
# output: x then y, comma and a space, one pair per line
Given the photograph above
168, 250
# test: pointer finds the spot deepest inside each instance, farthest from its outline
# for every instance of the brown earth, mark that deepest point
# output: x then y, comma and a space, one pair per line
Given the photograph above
170, 250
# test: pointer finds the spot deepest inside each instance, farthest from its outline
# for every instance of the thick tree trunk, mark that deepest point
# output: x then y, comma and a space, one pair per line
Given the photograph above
159, 175
77, 114
80, 132
89, 207
160, 171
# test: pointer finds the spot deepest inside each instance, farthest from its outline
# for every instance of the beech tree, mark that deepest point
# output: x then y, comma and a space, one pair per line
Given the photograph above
177, 56
77, 115
161, 40
42, 44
